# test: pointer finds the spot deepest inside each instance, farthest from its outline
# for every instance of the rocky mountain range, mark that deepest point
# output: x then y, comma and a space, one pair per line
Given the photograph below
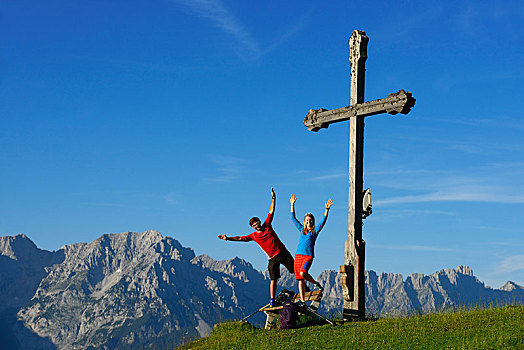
145, 290
388, 294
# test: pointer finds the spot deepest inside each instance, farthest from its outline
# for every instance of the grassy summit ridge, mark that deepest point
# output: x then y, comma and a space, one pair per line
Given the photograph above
494, 328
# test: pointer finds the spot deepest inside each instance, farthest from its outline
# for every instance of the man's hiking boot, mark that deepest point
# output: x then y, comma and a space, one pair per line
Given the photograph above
273, 303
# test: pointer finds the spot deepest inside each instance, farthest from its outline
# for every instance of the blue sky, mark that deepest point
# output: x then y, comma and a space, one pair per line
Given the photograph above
179, 116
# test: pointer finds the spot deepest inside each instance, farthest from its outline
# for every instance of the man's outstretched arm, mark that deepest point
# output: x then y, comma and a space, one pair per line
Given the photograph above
273, 200
234, 238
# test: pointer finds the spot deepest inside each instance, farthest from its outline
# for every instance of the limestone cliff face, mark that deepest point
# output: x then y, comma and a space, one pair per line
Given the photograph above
126, 290
143, 290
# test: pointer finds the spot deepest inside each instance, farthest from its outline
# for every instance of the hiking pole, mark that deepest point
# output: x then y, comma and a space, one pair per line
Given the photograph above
318, 315
248, 316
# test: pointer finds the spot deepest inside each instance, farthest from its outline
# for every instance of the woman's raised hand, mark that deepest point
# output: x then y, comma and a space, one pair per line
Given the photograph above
329, 203
292, 199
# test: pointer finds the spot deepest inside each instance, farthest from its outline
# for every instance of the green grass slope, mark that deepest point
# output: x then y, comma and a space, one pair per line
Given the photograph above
495, 328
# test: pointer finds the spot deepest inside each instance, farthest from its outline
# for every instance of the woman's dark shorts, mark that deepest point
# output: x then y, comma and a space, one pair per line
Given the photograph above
282, 258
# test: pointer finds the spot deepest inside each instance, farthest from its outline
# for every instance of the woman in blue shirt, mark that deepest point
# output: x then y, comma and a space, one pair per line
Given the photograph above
306, 246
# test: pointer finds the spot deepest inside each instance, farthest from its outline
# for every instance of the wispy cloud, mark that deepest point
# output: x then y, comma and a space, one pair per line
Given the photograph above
500, 122
413, 247
411, 212
511, 264
225, 20
229, 169
457, 195
489, 183
289, 33
465, 148
110, 205
337, 175
171, 198
344, 174
512, 244
117, 63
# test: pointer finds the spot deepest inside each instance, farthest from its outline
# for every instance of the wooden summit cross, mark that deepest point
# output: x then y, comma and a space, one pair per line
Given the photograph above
352, 272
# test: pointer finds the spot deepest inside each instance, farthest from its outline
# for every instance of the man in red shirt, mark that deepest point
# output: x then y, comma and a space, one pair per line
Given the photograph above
268, 240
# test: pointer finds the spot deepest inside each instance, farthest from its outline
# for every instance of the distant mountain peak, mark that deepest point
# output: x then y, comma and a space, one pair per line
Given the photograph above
510, 286
149, 235
16, 246
465, 270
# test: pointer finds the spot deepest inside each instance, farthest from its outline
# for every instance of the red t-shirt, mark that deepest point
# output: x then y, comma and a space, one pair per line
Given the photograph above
266, 238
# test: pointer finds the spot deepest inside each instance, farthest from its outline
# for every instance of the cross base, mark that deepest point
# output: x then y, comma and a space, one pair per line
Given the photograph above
351, 314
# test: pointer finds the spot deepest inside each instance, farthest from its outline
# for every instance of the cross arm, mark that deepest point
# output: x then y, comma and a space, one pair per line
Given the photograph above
398, 102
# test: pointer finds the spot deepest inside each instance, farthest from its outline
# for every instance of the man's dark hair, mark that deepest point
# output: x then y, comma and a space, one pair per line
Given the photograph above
253, 219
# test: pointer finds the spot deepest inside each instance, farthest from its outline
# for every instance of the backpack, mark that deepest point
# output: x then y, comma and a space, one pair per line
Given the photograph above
283, 296
289, 316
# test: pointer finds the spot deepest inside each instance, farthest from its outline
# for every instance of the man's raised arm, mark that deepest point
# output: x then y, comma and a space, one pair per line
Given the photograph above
273, 200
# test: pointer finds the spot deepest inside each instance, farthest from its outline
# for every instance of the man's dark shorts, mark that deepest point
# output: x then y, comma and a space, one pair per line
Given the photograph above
283, 258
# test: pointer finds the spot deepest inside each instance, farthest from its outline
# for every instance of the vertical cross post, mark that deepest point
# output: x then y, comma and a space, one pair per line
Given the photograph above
354, 249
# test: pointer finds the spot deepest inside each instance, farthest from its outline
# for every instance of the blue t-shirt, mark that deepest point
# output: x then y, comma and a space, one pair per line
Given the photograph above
306, 245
